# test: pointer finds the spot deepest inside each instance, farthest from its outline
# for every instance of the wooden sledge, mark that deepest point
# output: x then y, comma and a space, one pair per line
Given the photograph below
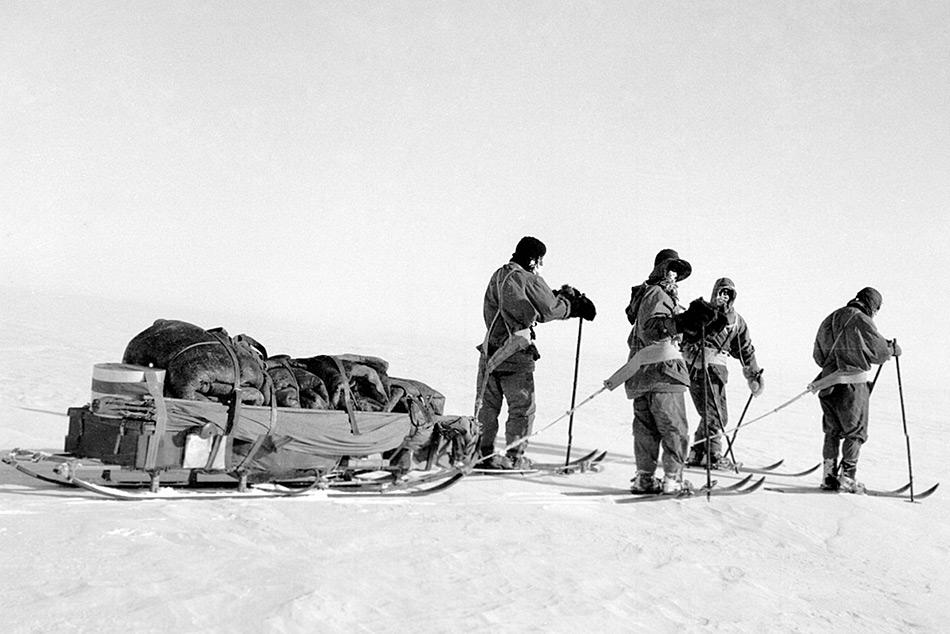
145, 440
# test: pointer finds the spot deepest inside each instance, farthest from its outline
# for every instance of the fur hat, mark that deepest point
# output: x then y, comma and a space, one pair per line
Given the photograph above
673, 262
870, 297
529, 248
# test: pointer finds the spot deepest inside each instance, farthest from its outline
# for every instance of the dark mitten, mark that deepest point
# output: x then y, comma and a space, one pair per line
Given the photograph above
582, 307
567, 291
691, 322
718, 323
895, 349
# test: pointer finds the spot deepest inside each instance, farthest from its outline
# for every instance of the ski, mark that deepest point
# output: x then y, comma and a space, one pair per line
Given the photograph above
735, 489
402, 490
588, 462
900, 492
169, 493
604, 491
770, 470
67, 474
593, 457
41, 477
405, 488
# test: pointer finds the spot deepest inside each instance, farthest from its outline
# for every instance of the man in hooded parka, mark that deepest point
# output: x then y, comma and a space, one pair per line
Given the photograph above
709, 397
846, 345
660, 381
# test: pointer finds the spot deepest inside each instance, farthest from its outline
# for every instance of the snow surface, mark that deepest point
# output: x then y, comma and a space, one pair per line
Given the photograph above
491, 554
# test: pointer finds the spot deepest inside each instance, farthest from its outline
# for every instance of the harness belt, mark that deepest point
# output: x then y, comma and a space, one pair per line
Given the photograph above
713, 356
839, 377
654, 353
518, 340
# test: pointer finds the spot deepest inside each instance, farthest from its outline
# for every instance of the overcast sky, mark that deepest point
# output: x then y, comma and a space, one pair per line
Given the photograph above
369, 164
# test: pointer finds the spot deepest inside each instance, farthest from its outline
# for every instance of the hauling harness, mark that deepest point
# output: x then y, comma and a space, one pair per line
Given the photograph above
662, 351
835, 378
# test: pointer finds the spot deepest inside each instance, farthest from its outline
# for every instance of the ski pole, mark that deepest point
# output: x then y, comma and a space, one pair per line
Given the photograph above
900, 391
612, 382
706, 429
720, 425
570, 422
736, 432
874, 382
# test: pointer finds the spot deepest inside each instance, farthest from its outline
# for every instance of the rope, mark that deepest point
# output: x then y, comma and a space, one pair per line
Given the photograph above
758, 418
524, 439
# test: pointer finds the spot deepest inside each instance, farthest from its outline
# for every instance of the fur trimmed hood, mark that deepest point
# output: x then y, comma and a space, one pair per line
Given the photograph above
721, 283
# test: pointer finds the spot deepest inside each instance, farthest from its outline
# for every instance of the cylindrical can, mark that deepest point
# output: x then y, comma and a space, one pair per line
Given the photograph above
115, 383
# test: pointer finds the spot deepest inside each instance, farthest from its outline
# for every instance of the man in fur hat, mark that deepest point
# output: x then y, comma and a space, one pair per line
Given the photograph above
517, 299
846, 345
709, 394
660, 381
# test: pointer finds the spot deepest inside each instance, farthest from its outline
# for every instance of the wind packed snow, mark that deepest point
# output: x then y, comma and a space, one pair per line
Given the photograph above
492, 554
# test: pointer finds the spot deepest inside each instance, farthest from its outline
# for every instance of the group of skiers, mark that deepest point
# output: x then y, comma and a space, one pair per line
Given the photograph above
672, 350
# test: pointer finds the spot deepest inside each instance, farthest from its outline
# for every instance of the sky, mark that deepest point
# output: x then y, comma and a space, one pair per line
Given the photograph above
364, 167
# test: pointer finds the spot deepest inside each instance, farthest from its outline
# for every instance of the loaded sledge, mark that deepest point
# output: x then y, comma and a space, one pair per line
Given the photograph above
139, 439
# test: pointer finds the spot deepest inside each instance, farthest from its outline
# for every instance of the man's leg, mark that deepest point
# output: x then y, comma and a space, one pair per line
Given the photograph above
488, 416
710, 403
518, 389
669, 412
831, 442
853, 416
697, 453
721, 414
646, 437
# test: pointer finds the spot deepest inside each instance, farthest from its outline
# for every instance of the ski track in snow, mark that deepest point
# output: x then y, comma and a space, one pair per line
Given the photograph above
491, 554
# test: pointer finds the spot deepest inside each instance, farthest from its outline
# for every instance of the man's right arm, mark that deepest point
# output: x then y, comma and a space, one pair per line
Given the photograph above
546, 305
877, 348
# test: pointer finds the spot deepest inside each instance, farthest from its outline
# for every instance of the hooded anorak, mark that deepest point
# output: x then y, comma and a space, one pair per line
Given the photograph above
848, 341
515, 300
846, 345
651, 312
733, 341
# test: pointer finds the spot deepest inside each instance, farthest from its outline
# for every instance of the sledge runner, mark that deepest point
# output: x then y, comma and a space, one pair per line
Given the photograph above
847, 343
517, 299
657, 387
733, 341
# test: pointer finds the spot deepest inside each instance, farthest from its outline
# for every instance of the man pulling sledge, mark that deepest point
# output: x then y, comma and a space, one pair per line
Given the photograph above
517, 299
846, 345
707, 358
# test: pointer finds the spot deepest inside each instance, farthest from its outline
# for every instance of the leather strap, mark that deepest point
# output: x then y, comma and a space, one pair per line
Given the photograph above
161, 419
347, 397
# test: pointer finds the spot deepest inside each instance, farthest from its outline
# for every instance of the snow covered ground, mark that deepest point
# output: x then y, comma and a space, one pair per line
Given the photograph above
490, 554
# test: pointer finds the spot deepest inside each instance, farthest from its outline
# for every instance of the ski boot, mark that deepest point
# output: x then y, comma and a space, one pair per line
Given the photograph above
722, 463
520, 463
494, 462
695, 459
645, 483
829, 479
847, 484
676, 485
